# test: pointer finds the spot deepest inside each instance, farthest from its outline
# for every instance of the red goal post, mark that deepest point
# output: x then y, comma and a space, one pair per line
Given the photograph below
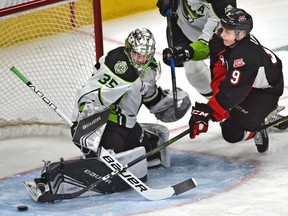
55, 43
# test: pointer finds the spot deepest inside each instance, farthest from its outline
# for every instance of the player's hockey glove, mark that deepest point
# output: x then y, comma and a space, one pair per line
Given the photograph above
180, 53
165, 5
201, 114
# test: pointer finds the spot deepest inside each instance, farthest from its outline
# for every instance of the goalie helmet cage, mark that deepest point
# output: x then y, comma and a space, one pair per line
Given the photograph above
55, 43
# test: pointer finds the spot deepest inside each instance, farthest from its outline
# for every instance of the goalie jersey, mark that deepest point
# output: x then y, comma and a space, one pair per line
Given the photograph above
116, 84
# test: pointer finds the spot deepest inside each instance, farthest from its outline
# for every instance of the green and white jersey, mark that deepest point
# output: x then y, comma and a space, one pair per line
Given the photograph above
199, 18
116, 84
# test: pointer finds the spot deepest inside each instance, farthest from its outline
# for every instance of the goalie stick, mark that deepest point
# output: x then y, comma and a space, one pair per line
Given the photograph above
117, 167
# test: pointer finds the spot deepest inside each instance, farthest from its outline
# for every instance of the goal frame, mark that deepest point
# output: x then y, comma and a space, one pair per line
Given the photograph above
98, 31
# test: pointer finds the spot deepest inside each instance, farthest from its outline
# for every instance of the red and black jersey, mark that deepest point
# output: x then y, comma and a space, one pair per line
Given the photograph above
235, 71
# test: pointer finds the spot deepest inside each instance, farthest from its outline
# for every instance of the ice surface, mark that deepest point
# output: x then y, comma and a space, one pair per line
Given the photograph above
256, 184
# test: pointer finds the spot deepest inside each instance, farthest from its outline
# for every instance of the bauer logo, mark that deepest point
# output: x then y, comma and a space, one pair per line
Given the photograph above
91, 123
41, 95
96, 176
127, 176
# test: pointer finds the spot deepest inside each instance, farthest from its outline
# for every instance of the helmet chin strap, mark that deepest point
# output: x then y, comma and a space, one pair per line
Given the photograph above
237, 36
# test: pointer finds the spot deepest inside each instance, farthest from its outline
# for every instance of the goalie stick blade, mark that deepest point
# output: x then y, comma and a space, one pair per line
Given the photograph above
138, 185
167, 192
184, 186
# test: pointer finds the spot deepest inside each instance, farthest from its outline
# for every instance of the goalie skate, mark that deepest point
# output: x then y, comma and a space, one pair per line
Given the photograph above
34, 190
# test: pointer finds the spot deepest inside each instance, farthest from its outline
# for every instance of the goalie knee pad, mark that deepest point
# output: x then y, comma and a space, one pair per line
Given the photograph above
139, 169
164, 110
162, 133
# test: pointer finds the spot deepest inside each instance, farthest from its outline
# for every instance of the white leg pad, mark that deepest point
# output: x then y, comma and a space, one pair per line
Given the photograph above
163, 133
140, 169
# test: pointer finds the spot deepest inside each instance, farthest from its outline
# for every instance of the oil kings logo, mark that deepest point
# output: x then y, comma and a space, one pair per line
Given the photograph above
120, 67
41, 95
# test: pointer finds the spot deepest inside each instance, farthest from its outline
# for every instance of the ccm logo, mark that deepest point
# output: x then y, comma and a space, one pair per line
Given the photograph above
199, 113
126, 175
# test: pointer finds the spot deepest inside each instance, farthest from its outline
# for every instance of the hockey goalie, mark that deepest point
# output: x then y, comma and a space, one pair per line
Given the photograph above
105, 116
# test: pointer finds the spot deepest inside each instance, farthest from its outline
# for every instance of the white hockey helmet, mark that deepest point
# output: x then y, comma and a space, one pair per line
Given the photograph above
140, 43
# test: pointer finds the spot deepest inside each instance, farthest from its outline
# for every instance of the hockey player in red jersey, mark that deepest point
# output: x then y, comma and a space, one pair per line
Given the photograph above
247, 81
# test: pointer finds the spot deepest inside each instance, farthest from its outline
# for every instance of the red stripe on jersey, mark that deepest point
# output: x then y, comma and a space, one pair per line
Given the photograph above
219, 113
219, 73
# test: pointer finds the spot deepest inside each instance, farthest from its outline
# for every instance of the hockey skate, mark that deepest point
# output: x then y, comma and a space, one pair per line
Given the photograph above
261, 141
280, 126
274, 116
35, 189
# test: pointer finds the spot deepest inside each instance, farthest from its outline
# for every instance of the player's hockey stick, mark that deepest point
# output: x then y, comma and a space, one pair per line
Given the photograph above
172, 63
116, 166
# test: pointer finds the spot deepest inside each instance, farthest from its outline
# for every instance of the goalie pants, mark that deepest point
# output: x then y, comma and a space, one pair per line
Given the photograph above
248, 115
120, 138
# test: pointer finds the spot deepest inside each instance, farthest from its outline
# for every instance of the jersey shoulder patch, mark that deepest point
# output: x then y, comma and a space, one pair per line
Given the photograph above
119, 64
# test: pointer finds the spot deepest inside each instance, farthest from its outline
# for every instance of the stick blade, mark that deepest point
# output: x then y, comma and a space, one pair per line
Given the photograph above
185, 186
165, 193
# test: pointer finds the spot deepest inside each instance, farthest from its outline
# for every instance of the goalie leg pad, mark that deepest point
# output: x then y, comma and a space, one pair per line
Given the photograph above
68, 176
163, 133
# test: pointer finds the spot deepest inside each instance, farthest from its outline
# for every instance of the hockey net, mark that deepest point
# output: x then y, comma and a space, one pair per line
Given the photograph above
52, 42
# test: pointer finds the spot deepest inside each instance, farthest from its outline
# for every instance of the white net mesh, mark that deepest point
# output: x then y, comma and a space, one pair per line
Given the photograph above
54, 48
7, 3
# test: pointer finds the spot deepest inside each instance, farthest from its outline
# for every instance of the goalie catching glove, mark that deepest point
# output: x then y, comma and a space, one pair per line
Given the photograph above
201, 114
164, 110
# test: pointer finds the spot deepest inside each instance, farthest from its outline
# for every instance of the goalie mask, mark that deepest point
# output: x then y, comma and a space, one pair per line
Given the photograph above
140, 45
